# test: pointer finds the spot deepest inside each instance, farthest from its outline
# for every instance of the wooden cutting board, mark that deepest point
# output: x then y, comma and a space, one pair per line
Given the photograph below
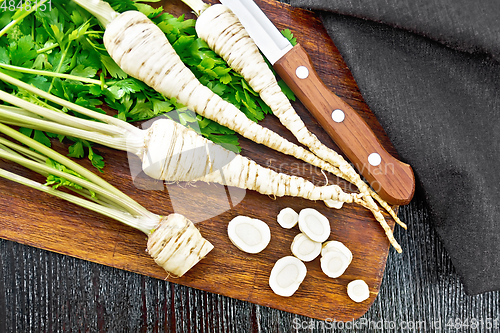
42, 221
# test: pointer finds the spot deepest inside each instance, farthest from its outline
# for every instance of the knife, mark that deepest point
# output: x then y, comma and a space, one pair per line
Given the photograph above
392, 179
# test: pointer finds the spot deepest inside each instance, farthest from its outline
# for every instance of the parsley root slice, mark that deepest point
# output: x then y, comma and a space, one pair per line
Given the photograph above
142, 50
287, 275
358, 290
314, 225
287, 218
173, 241
248, 234
305, 248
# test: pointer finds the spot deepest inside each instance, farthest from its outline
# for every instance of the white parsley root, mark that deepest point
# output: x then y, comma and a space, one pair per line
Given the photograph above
305, 248
225, 34
173, 241
287, 218
287, 275
314, 224
177, 245
168, 150
172, 155
358, 290
248, 234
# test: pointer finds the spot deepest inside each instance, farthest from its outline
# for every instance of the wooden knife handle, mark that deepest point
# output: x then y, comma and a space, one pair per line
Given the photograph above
392, 179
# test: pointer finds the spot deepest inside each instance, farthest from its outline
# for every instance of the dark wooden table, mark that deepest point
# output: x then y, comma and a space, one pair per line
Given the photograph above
41, 291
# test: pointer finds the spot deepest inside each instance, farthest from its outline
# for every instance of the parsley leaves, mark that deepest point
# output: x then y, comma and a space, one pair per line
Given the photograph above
68, 40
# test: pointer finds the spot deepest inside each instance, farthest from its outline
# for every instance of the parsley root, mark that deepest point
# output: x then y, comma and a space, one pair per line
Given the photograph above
168, 150
220, 28
173, 241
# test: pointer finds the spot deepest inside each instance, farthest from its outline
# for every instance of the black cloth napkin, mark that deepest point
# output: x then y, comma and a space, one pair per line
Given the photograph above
430, 71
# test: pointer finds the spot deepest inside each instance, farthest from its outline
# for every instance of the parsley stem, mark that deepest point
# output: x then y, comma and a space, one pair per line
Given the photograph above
72, 106
94, 45
20, 118
62, 117
63, 57
69, 164
19, 18
42, 168
23, 150
135, 222
47, 48
52, 74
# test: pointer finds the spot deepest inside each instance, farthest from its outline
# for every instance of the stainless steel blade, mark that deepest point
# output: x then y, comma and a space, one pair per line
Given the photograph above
267, 37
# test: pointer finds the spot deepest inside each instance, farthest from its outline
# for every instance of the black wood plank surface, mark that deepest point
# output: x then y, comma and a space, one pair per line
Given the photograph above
42, 291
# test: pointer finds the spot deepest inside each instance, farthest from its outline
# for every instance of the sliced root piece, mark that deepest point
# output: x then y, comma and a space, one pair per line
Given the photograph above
334, 204
288, 218
314, 224
248, 234
305, 248
358, 290
287, 275
336, 246
177, 245
334, 263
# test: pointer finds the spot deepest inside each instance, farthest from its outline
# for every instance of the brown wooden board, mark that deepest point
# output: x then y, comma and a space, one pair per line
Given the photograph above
39, 220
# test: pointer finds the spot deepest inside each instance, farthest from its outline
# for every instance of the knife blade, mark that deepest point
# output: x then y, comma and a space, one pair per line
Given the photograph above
392, 179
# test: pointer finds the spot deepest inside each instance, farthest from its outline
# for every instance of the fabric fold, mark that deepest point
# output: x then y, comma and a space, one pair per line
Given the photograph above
464, 25
435, 90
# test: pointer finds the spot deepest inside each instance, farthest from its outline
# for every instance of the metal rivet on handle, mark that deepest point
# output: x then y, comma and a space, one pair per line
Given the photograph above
374, 159
338, 116
302, 72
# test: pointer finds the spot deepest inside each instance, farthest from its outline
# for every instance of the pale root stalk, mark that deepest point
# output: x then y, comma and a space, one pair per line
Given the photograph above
169, 151
177, 153
142, 50
173, 238
221, 29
